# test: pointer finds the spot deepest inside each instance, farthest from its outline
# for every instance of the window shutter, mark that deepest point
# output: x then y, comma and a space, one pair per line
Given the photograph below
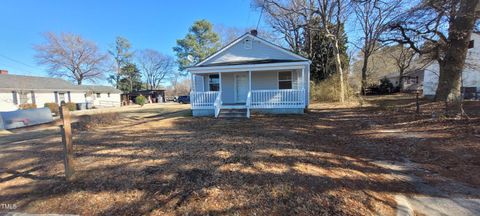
33, 98
14, 96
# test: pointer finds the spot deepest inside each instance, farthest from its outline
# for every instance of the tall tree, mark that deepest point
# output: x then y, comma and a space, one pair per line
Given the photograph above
373, 17
71, 56
131, 78
155, 67
121, 55
441, 30
200, 42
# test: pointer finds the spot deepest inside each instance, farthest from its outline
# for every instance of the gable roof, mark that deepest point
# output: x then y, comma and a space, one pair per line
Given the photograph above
16, 82
292, 56
13, 82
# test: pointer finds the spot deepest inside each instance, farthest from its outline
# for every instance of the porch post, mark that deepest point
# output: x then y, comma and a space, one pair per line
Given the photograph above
303, 86
249, 80
303, 78
220, 81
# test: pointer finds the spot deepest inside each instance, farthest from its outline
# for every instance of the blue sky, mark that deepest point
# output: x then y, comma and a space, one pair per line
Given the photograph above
146, 23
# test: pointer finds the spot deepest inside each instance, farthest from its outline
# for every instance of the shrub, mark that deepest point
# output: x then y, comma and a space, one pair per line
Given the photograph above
327, 90
140, 100
89, 122
27, 106
385, 86
54, 108
71, 106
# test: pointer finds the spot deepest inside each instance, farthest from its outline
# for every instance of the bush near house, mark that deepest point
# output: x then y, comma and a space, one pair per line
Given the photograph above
27, 106
140, 100
71, 106
54, 108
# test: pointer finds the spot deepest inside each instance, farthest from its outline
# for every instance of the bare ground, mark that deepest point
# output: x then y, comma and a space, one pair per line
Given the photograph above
320, 163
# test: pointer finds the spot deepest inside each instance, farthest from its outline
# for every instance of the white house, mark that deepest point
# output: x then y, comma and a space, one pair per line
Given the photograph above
470, 75
250, 74
16, 90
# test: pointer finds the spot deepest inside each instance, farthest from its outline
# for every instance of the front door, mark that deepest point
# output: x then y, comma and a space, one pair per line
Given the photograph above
241, 88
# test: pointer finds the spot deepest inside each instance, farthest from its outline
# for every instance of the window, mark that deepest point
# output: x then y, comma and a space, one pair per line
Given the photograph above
471, 44
214, 82
285, 80
99, 95
24, 97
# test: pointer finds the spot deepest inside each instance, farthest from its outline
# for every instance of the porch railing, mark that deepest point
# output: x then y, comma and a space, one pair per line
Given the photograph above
284, 98
203, 100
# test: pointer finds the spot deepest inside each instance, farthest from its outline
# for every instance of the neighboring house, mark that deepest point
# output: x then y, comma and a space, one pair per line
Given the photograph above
16, 90
412, 80
250, 74
470, 75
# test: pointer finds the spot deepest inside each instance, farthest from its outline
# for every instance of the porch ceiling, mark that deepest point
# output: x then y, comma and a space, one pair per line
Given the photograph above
249, 66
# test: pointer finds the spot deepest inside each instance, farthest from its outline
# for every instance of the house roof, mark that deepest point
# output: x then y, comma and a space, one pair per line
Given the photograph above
100, 88
298, 58
263, 61
20, 82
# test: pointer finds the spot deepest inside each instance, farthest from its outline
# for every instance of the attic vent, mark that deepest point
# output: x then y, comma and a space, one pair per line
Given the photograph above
247, 44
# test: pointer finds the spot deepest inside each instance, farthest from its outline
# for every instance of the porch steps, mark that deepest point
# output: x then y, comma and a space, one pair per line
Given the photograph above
232, 113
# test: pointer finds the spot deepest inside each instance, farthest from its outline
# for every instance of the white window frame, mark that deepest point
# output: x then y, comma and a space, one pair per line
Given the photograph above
278, 78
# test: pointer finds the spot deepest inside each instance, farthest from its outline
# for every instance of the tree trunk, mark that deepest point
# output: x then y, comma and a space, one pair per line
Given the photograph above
364, 73
400, 79
338, 63
451, 67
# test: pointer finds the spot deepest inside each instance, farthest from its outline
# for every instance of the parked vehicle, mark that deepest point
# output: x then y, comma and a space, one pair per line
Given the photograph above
183, 99
170, 98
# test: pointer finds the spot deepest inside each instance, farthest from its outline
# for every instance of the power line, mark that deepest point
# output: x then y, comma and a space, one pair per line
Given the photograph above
259, 18
19, 62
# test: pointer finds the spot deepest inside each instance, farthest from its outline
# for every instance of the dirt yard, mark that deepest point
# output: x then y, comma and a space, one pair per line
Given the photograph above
165, 162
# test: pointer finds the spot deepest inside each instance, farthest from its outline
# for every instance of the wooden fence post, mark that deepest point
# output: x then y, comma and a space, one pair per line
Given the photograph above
66, 130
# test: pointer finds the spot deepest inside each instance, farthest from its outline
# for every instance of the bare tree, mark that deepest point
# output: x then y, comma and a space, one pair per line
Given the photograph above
155, 67
299, 19
403, 60
441, 30
373, 17
71, 56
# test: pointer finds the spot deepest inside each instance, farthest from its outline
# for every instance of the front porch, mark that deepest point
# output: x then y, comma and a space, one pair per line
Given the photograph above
269, 90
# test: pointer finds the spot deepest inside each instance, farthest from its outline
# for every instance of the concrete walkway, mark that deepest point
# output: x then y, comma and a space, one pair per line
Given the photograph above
447, 197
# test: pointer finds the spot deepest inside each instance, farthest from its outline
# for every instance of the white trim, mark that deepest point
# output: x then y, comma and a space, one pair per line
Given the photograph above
259, 39
252, 67
220, 82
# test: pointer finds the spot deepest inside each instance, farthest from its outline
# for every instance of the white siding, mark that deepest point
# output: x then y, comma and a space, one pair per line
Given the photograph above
6, 102
44, 97
258, 51
470, 76
105, 101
